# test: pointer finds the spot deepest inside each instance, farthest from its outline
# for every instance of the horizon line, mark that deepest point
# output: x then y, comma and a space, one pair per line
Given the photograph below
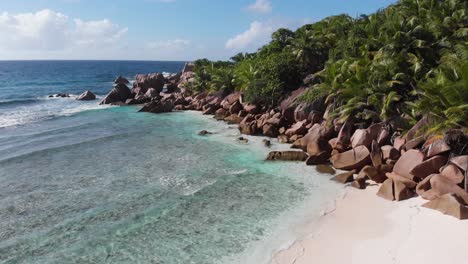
95, 60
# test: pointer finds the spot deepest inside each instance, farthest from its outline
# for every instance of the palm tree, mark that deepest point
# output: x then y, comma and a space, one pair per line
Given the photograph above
247, 79
222, 79
445, 94
302, 47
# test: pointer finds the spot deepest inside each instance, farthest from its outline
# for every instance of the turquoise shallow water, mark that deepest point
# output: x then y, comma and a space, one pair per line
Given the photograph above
116, 186
83, 183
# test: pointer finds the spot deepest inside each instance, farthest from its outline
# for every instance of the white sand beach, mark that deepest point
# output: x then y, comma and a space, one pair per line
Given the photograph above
365, 229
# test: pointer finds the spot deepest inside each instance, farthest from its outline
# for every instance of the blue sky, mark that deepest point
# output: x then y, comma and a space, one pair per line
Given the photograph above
155, 29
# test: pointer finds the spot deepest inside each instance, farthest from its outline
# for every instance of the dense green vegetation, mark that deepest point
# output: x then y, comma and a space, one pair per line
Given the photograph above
404, 62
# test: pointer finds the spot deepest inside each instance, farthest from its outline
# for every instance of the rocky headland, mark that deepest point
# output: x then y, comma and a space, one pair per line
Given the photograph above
404, 165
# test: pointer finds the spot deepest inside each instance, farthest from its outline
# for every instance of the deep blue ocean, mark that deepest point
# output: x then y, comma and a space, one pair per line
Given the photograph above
83, 183
25, 85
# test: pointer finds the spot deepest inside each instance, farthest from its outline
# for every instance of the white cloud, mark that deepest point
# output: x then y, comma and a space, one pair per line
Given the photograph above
42, 30
51, 31
258, 33
260, 6
175, 44
97, 32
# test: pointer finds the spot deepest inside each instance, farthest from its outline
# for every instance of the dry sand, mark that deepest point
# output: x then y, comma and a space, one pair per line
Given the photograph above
364, 228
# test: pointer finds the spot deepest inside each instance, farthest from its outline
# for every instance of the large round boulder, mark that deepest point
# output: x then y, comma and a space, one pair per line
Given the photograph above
235, 108
441, 186
354, 159
297, 129
233, 119
361, 137
229, 100
407, 162
453, 173
316, 140
248, 125
428, 167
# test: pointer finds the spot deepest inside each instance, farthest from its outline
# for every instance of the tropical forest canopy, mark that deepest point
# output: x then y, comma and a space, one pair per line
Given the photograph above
404, 62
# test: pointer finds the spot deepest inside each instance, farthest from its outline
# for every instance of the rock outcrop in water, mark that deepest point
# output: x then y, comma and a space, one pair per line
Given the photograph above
118, 95
146, 81
121, 80
86, 96
59, 95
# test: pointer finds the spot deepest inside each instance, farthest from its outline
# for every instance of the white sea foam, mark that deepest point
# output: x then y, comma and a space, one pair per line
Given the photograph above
237, 172
45, 108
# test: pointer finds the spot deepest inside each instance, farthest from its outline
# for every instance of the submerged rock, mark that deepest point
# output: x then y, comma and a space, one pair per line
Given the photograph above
287, 155
243, 140
60, 95
204, 133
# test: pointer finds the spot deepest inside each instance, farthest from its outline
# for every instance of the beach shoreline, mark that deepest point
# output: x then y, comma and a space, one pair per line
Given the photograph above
376, 156
295, 222
366, 229
360, 227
